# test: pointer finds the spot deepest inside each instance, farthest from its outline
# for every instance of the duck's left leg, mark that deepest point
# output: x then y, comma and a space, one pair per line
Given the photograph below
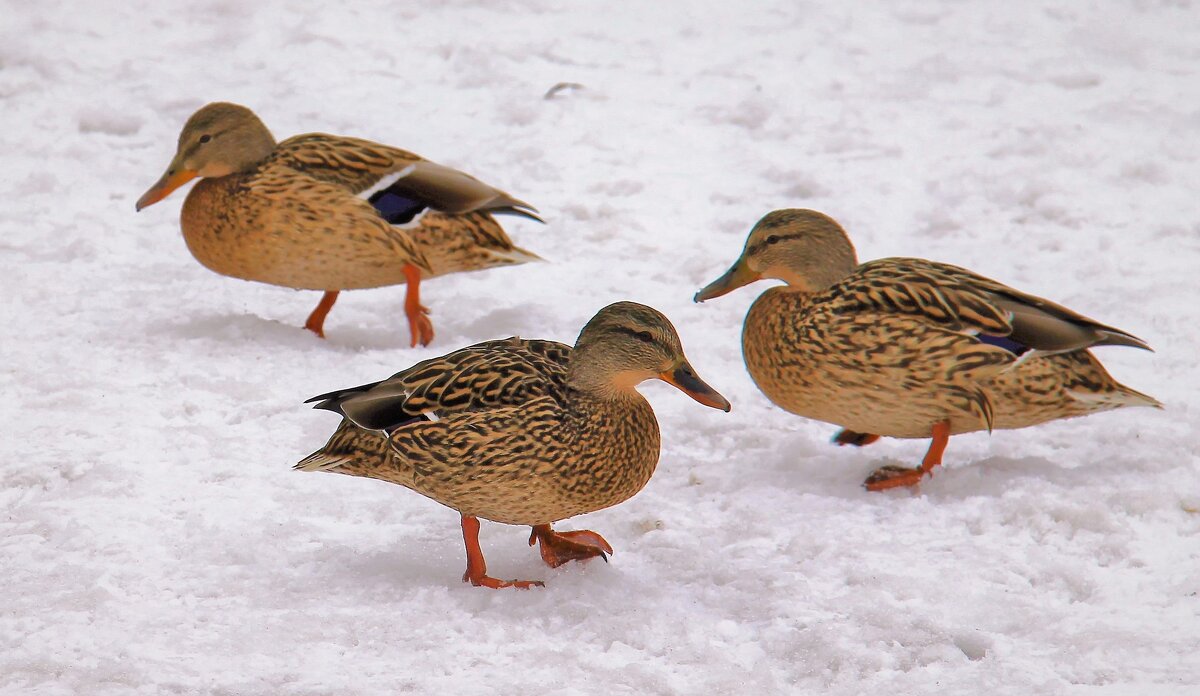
559, 547
419, 325
849, 437
886, 477
316, 320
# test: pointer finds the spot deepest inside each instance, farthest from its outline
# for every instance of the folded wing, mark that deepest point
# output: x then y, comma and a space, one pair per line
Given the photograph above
398, 183
488, 375
961, 300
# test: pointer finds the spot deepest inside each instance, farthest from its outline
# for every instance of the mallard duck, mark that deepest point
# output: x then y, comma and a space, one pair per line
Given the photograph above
324, 212
909, 348
519, 431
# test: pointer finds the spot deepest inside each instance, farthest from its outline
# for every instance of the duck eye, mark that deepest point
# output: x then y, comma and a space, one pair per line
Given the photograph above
773, 239
644, 336
205, 138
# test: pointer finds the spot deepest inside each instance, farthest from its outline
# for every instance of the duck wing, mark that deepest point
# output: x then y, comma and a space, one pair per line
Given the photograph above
398, 183
482, 377
961, 300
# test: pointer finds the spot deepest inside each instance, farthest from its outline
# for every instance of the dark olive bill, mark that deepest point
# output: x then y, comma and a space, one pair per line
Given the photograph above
684, 379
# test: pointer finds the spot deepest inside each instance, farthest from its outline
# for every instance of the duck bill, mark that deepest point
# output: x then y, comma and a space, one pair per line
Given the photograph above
173, 179
737, 276
684, 378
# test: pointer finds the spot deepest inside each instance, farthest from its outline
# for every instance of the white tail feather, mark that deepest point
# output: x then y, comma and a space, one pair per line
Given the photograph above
1116, 399
320, 461
514, 256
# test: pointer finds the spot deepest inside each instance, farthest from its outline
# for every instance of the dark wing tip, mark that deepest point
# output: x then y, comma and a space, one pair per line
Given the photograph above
518, 207
1120, 338
327, 397
332, 401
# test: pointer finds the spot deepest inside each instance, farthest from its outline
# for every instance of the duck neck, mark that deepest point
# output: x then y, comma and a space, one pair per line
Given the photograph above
815, 279
594, 383
814, 271
796, 288
252, 144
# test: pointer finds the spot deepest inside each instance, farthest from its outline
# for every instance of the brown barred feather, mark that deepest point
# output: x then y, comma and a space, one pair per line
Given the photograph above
350, 163
937, 292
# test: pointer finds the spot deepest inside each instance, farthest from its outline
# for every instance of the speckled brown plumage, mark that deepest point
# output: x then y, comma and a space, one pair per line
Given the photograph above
893, 347
811, 359
324, 212
845, 363
518, 431
499, 402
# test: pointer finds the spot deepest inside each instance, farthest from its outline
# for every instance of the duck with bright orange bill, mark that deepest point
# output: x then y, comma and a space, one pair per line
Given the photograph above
324, 212
520, 431
909, 348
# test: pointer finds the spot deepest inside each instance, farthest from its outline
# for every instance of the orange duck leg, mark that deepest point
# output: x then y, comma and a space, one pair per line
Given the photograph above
886, 477
476, 567
419, 325
316, 320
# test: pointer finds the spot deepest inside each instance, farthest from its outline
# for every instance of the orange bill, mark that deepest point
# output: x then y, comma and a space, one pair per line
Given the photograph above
170, 181
684, 378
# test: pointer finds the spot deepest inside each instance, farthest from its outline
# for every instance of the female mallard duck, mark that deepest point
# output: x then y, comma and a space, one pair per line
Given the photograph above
323, 212
909, 348
519, 431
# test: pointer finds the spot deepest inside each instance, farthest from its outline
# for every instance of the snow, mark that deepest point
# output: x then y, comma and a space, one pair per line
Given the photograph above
154, 539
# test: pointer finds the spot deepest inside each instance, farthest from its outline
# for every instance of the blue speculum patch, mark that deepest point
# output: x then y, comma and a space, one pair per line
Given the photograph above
1004, 342
394, 208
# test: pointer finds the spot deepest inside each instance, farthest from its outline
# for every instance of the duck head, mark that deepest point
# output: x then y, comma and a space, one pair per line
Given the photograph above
626, 344
218, 140
805, 249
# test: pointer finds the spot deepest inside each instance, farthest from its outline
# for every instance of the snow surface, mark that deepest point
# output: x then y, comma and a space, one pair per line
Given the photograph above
155, 541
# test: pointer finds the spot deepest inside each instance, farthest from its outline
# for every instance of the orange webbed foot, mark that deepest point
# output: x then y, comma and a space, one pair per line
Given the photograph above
849, 437
558, 548
420, 328
495, 584
476, 567
892, 476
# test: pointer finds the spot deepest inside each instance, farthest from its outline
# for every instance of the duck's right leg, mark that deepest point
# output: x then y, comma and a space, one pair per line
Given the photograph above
476, 568
558, 548
886, 477
419, 326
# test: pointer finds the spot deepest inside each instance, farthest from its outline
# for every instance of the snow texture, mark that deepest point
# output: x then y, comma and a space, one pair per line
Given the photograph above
155, 541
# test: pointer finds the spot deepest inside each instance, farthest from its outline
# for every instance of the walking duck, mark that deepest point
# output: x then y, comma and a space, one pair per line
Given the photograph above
324, 212
909, 348
518, 431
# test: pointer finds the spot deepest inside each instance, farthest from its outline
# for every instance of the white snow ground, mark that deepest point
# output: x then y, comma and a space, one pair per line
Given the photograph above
155, 541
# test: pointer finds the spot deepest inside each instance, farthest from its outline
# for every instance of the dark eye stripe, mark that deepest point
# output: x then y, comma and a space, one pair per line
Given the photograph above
644, 336
773, 239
